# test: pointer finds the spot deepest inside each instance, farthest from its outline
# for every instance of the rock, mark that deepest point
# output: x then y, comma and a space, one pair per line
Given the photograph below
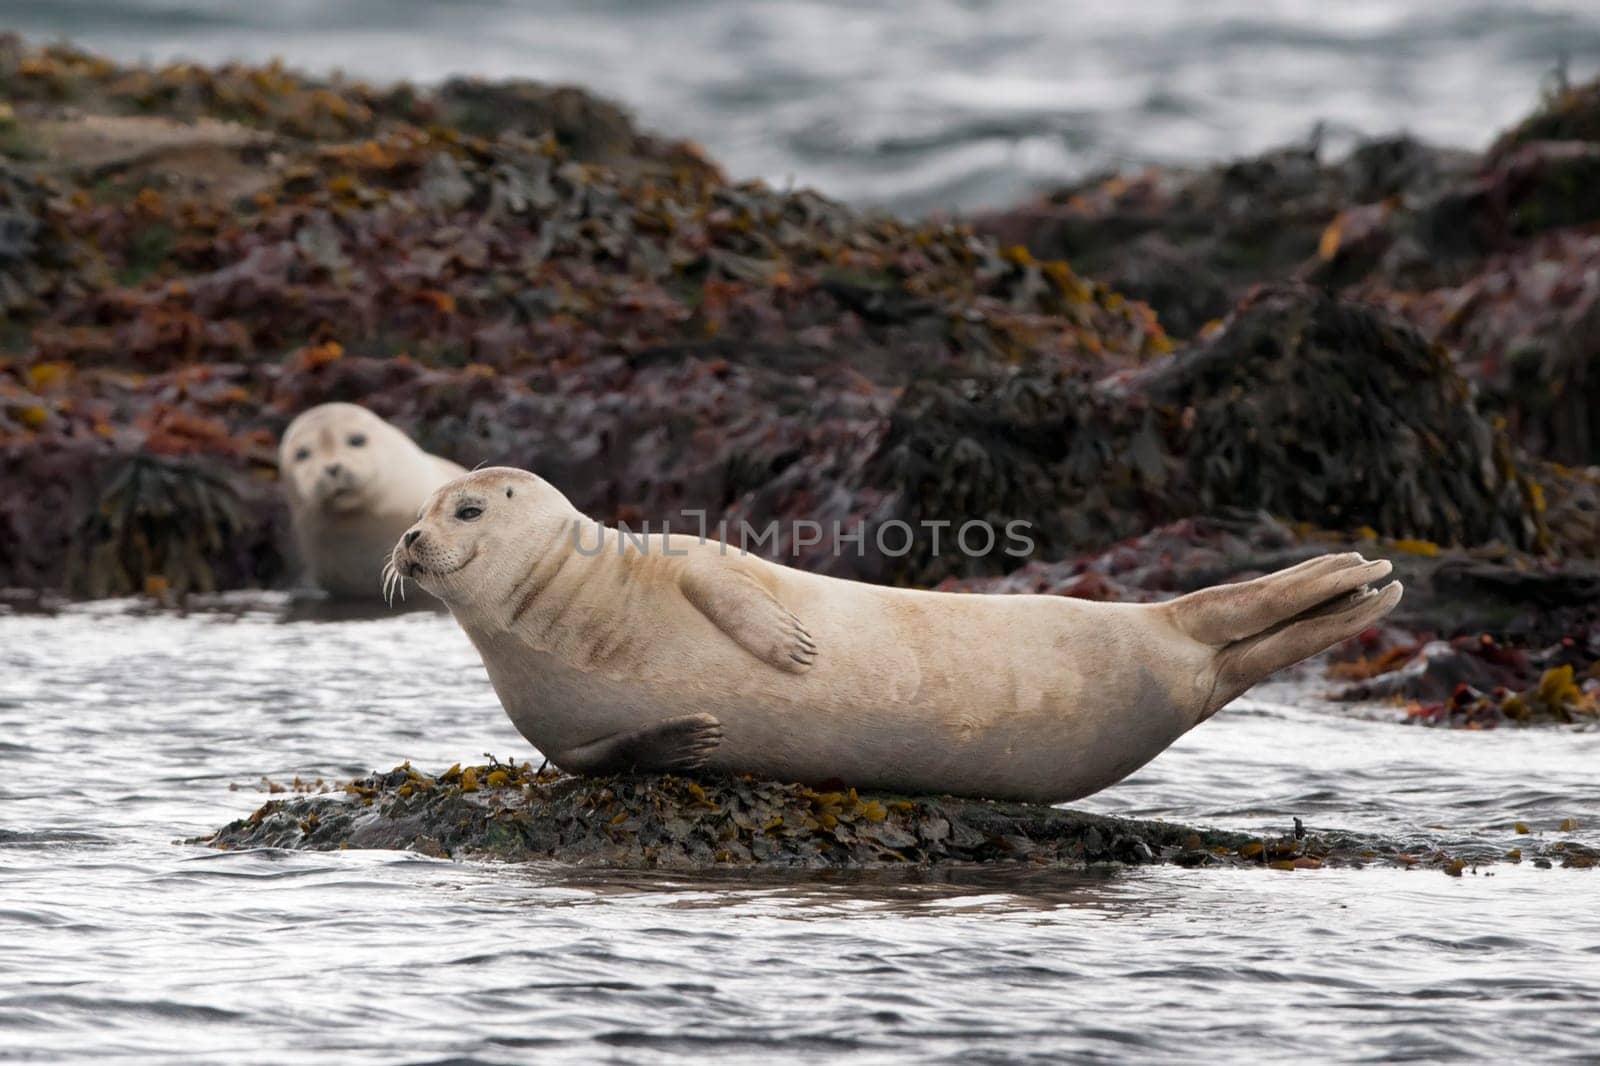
1477, 683
1541, 186
507, 812
1500, 269
1489, 255
1192, 242
1566, 113
1519, 598
573, 296
584, 125
1320, 410
1526, 328
225, 156
664, 344
153, 106
1306, 407
168, 526
26, 250
1559, 697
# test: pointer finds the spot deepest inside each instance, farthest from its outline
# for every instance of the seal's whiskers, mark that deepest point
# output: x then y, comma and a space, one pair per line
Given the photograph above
391, 579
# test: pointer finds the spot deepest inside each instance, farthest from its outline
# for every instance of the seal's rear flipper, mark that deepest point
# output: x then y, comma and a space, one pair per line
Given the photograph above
739, 604
1227, 613
672, 745
1245, 662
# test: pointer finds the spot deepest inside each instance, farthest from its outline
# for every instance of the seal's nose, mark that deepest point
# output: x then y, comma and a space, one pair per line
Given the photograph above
333, 469
411, 536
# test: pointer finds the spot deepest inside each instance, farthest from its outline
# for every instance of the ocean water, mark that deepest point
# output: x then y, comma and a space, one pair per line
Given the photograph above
923, 105
125, 730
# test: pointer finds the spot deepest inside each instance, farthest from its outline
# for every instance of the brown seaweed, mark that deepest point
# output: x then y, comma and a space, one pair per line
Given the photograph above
515, 274
510, 813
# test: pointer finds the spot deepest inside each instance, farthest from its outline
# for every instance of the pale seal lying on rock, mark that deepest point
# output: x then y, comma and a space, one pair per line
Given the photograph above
613, 652
354, 483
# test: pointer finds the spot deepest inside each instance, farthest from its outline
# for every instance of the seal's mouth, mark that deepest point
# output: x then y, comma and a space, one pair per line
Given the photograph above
415, 568
340, 497
404, 563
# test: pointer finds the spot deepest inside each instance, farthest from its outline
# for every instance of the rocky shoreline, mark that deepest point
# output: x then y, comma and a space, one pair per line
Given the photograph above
1395, 350
1490, 255
509, 812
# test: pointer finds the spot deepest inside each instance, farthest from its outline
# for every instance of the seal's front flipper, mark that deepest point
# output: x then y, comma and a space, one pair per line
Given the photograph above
741, 606
672, 745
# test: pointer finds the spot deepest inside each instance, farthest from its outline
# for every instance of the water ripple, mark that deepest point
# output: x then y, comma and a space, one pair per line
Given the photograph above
122, 941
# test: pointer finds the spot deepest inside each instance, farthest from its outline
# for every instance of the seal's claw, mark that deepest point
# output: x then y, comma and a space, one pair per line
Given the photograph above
748, 612
686, 742
795, 646
678, 744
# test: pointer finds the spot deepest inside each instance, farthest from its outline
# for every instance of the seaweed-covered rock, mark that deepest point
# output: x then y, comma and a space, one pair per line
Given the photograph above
167, 525
286, 104
1476, 683
510, 272
1540, 187
1490, 255
1565, 113
26, 250
662, 343
584, 126
1516, 597
1309, 407
507, 812
1526, 328
1301, 405
1192, 241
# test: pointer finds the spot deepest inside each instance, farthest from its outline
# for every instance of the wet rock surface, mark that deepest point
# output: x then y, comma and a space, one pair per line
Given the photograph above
508, 812
514, 274
521, 286
1307, 407
1491, 255
1191, 242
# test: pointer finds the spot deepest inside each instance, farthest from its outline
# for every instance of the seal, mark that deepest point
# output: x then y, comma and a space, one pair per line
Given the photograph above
613, 651
353, 483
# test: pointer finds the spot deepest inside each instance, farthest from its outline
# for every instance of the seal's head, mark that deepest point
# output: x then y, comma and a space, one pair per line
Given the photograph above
479, 536
332, 457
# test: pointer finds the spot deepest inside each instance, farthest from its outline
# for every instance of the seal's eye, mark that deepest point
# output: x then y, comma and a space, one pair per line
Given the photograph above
469, 513
356, 440
302, 454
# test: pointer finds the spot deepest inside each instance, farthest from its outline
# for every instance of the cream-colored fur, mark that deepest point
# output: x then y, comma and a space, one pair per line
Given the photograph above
348, 501
792, 675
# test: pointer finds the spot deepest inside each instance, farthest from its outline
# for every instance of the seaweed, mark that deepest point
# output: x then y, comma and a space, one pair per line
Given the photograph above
1489, 254
1306, 407
158, 527
514, 273
509, 812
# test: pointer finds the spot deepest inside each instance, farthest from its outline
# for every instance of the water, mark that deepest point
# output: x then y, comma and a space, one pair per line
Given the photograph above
122, 730
922, 104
